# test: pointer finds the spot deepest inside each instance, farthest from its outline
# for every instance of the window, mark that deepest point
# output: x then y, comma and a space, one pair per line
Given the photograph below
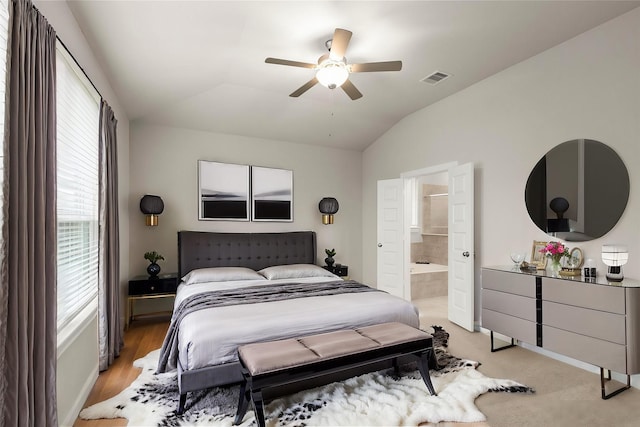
78, 110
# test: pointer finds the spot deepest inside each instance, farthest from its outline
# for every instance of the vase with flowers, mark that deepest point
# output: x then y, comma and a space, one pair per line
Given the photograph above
555, 251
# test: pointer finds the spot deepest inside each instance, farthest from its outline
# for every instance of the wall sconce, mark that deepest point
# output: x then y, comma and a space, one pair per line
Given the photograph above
614, 256
328, 207
151, 206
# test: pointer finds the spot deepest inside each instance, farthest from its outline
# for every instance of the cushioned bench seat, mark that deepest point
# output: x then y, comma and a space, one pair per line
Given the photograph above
276, 363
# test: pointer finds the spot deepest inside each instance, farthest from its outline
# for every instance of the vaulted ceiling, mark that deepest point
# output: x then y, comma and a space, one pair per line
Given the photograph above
201, 64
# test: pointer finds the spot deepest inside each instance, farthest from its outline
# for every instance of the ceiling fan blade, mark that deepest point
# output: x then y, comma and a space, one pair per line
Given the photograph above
287, 62
351, 90
305, 87
376, 66
339, 43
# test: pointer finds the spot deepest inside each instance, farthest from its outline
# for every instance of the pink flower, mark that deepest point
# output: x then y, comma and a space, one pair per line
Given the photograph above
555, 250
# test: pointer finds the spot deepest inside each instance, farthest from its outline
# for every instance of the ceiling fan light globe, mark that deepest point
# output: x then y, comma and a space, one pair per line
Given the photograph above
332, 75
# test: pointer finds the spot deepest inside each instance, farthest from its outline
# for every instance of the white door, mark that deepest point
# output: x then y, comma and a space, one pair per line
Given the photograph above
461, 253
390, 237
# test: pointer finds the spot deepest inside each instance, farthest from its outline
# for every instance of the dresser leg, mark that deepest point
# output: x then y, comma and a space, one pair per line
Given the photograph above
603, 380
493, 349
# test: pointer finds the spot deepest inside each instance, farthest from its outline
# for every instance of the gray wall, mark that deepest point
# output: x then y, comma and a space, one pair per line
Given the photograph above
507, 122
164, 161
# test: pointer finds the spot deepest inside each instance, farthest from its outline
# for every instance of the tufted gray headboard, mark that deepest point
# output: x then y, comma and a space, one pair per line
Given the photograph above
199, 249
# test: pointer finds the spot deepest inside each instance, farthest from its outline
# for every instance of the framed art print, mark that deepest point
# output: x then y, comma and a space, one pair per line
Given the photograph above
271, 194
223, 191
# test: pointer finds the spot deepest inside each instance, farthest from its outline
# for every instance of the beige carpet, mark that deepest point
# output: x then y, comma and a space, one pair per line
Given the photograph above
565, 395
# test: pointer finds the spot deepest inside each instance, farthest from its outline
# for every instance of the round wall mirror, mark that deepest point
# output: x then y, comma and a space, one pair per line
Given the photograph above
578, 190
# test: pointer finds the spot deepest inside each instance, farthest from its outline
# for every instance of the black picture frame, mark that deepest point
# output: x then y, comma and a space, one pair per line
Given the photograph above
271, 194
223, 191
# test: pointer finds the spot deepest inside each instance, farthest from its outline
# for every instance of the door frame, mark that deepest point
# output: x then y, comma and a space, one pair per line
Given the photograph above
406, 257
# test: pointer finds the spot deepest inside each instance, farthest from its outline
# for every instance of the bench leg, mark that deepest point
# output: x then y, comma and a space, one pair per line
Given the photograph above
423, 366
258, 409
396, 367
183, 401
243, 403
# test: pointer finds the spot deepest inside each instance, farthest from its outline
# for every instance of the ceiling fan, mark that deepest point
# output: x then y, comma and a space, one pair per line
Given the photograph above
333, 69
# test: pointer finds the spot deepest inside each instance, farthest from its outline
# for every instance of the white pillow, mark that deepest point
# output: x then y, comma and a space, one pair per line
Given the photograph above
220, 274
295, 271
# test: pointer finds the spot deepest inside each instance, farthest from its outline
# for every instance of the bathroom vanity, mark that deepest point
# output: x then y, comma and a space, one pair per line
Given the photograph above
594, 322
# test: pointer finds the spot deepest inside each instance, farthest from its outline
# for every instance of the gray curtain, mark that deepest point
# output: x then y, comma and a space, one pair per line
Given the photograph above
109, 325
28, 280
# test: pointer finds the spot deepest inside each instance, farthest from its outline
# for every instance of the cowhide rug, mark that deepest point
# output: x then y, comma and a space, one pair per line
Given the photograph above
377, 398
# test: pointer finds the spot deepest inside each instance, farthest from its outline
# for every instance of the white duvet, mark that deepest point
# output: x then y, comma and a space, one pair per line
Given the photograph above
211, 336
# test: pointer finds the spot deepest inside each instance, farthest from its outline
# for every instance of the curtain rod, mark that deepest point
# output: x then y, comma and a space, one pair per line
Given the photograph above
79, 66
69, 52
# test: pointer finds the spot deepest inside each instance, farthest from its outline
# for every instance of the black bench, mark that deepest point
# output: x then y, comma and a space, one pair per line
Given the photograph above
271, 365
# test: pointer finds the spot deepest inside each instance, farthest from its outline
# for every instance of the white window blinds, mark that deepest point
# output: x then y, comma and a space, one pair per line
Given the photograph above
77, 173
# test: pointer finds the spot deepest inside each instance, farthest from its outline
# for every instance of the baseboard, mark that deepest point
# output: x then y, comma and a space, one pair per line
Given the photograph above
71, 417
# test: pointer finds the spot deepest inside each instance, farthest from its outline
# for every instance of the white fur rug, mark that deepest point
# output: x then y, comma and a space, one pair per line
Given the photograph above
376, 399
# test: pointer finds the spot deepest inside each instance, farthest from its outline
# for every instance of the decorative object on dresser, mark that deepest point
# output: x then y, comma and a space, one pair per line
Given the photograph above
591, 321
153, 257
517, 258
537, 257
150, 288
555, 251
378, 398
573, 264
614, 256
328, 206
151, 206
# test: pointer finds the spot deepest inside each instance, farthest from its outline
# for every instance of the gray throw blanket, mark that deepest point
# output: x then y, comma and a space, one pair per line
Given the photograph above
250, 295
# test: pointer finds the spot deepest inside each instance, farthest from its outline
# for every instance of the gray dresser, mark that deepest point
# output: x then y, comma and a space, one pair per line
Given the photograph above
594, 322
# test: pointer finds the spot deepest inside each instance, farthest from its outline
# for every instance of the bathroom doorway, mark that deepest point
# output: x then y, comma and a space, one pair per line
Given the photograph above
427, 226
456, 257
428, 255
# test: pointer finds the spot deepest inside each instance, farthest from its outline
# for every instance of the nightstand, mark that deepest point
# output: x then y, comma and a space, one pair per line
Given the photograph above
339, 270
145, 287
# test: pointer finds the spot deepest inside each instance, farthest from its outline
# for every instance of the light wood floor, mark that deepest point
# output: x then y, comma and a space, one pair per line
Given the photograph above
142, 337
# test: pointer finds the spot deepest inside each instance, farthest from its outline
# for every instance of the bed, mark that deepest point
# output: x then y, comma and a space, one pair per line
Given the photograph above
258, 287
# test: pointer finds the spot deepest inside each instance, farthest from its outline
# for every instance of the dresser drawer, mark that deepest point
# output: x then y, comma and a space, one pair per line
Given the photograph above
510, 326
513, 283
513, 305
593, 323
601, 353
597, 297
160, 285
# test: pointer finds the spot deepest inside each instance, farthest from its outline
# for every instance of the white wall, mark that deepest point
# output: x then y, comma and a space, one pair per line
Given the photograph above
164, 162
75, 364
587, 87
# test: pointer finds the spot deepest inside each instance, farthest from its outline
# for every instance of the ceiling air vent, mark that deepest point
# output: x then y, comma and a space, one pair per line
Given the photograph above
435, 77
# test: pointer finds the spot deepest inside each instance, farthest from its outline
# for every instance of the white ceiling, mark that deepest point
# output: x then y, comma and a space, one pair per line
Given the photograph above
200, 64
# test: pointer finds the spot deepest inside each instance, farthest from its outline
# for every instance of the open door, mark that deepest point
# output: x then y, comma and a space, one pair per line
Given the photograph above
390, 274
461, 244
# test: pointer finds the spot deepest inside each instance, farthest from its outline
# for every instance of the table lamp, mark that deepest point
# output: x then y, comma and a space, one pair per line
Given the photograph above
614, 256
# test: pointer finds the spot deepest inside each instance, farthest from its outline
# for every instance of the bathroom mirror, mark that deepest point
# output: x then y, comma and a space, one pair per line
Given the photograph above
578, 190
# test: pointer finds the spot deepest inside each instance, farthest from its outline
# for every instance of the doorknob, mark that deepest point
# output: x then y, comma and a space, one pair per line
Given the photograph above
465, 254
379, 245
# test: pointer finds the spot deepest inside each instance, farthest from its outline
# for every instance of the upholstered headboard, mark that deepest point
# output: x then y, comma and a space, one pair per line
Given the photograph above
198, 249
